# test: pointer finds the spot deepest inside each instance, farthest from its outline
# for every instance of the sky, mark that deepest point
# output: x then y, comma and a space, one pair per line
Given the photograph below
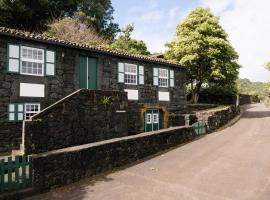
247, 23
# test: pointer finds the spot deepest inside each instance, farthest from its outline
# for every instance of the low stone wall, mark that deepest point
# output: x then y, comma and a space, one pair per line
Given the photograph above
64, 166
83, 117
215, 118
245, 99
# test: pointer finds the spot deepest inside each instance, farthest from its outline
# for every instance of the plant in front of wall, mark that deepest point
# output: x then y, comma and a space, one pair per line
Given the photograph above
106, 101
37, 120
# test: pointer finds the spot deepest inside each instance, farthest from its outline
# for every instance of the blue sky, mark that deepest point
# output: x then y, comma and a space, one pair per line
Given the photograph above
246, 22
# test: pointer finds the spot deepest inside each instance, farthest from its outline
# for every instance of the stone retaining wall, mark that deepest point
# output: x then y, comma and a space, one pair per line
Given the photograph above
215, 118
83, 117
65, 166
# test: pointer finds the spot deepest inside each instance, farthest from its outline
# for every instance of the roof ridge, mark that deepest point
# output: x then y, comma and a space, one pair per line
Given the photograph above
38, 36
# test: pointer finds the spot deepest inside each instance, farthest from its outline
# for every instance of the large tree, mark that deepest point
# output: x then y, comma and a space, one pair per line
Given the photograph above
126, 43
35, 15
202, 46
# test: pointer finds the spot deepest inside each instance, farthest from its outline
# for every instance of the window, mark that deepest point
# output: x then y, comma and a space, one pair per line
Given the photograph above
32, 61
31, 109
20, 111
155, 118
149, 118
163, 77
130, 74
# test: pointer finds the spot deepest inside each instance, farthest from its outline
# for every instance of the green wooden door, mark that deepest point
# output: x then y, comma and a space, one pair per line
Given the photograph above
148, 120
155, 117
153, 120
88, 73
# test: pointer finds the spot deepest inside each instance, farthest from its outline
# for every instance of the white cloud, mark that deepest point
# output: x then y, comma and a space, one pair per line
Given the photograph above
248, 26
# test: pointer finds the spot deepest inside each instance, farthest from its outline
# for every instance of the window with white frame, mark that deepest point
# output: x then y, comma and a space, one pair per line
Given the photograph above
31, 109
32, 61
163, 77
130, 74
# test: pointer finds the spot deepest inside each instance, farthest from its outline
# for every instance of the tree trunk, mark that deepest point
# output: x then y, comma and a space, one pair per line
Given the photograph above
196, 92
192, 93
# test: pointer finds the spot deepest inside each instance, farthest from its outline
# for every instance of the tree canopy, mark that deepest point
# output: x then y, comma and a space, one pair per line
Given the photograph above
202, 46
267, 66
74, 30
126, 43
35, 15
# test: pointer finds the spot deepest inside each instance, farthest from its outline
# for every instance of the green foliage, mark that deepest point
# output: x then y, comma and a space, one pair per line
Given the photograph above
202, 46
267, 66
106, 101
126, 43
99, 14
74, 30
262, 90
35, 15
228, 89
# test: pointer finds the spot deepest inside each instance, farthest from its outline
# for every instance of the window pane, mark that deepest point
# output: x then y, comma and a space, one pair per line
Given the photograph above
20, 107
11, 116
149, 118
20, 116
31, 109
11, 108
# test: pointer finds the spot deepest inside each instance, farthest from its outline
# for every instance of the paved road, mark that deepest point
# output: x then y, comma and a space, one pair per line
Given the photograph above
231, 164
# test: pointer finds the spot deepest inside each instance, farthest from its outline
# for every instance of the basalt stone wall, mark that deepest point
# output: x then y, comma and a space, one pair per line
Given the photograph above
65, 166
245, 99
217, 118
83, 117
223, 99
66, 81
214, 118
220, 99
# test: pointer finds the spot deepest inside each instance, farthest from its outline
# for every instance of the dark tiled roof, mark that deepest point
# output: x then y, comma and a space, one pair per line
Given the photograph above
42, 38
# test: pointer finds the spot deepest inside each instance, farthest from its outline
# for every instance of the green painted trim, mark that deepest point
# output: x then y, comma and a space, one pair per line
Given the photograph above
12, 112
8, 58
17, 182
2, 177
45, 63
23, 172
9, 174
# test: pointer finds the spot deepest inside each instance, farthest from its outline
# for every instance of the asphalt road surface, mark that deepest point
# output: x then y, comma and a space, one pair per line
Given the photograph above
230, 164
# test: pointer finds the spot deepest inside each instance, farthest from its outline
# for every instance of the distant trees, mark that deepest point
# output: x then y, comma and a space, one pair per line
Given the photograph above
202, 46
126, 43
253, 88
35, 15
